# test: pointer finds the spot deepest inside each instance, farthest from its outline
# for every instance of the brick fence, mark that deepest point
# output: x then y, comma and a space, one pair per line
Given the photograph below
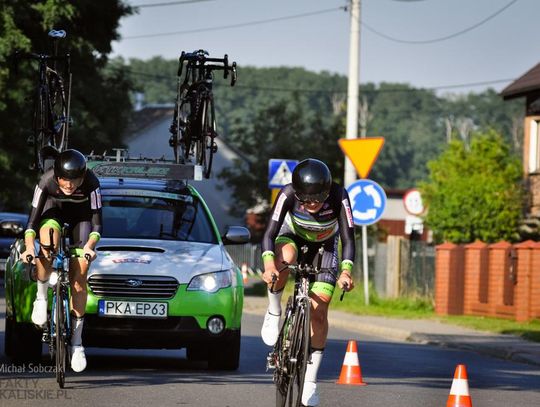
496, 280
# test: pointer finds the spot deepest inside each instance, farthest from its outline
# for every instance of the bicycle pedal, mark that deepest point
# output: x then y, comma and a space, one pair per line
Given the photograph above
270, 362
214, 147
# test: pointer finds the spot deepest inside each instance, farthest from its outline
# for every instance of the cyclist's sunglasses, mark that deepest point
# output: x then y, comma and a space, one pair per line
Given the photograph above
308, 200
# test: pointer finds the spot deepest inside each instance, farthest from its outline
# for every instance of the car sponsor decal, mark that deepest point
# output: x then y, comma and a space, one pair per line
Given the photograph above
132, 260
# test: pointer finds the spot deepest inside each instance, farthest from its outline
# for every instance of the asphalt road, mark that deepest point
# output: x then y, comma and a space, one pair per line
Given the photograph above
398, 374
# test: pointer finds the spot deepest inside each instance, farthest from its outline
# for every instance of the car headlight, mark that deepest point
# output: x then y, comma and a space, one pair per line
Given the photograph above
211, 282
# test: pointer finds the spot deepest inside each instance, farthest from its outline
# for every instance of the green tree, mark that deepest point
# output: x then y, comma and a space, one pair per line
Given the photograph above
280, 130
100, 102
475, 192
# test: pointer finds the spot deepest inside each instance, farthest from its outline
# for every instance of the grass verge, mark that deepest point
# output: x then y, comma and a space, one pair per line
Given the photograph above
413, 308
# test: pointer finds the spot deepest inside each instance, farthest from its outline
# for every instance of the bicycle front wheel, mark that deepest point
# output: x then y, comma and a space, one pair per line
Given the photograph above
60, 320
291, 385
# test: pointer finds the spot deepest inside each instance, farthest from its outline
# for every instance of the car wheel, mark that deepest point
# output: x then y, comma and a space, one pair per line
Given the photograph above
23, 342
226, 355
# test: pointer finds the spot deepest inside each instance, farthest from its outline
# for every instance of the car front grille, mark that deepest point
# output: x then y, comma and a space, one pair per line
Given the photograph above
107, 285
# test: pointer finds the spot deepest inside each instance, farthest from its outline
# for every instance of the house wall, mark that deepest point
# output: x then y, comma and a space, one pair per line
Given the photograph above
533, 178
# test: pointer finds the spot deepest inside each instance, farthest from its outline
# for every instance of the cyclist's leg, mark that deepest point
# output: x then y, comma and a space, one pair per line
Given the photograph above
49, 220
321, 292
285, 250
78, 269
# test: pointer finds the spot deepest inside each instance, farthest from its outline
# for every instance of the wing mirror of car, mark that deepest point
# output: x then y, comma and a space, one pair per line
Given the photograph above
236, 235
11, 229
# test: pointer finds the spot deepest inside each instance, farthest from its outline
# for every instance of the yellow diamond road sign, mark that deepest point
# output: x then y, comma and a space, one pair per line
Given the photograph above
362, 152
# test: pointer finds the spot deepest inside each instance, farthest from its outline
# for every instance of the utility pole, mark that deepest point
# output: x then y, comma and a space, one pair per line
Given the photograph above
352, 120
352, 92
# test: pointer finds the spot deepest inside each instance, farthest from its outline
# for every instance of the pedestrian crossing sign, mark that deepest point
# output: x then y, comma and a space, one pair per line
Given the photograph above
280, 172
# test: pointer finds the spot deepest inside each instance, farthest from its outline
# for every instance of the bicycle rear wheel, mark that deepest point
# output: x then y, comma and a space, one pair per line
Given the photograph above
206, 145
39, 126
58, 114
290, 387
60, 320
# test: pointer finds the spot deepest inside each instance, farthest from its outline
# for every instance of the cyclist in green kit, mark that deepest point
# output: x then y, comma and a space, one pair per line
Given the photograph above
312, 211
68, 193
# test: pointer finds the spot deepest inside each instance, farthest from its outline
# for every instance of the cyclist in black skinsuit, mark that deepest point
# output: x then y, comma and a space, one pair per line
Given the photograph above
68, 193
311, 211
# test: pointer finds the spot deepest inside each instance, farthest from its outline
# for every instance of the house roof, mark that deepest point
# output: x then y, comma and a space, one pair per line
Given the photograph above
147, 116
527, 83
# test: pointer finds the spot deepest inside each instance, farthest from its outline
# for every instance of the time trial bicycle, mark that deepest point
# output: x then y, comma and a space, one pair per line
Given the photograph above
51, 113
193, 128
290, 354
57, 331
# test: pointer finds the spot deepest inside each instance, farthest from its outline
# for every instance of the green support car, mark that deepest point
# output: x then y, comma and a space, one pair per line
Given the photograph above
162, 279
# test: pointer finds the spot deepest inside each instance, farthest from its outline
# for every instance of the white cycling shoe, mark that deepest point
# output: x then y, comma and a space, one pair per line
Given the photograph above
310, 395
78, 358
39, 312
270, 328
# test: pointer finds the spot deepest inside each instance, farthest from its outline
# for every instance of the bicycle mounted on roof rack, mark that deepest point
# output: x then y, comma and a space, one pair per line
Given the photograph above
193, 128
121, 165
51, 116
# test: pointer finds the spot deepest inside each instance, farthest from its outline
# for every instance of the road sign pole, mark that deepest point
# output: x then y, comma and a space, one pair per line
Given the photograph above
365, 264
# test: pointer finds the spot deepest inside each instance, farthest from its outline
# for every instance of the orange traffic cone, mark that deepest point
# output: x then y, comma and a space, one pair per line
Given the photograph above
459, 393
351, 373
245, 272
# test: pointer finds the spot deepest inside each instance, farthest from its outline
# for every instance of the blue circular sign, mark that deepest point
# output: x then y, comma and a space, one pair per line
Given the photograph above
368, 201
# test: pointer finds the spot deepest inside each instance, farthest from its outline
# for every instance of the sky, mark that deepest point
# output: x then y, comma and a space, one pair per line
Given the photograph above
488, 43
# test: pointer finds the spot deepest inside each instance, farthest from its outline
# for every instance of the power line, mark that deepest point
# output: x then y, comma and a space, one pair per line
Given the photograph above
330, 91
170, 3
224, 27
446, 37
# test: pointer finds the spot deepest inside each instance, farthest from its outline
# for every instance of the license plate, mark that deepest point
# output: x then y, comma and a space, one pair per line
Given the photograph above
132, 309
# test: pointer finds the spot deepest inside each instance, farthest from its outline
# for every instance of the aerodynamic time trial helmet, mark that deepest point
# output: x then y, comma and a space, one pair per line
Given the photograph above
70, 164
311, 180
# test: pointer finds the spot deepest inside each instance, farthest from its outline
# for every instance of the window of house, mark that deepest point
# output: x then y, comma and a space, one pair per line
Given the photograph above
534, 147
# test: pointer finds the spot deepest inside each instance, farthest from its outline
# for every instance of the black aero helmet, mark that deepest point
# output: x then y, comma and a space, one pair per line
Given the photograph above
70, 164
311, 180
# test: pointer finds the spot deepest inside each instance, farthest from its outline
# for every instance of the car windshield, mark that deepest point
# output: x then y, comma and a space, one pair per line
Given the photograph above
149, 217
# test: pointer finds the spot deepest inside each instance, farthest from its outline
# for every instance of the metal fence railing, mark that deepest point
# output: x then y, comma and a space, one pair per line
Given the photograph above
417, 269
248, 253
416, 265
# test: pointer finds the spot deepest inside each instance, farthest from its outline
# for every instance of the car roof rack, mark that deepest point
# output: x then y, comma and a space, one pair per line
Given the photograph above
121, 165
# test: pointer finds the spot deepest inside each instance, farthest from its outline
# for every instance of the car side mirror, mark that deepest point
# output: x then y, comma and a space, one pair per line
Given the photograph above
11, 229
236, 235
